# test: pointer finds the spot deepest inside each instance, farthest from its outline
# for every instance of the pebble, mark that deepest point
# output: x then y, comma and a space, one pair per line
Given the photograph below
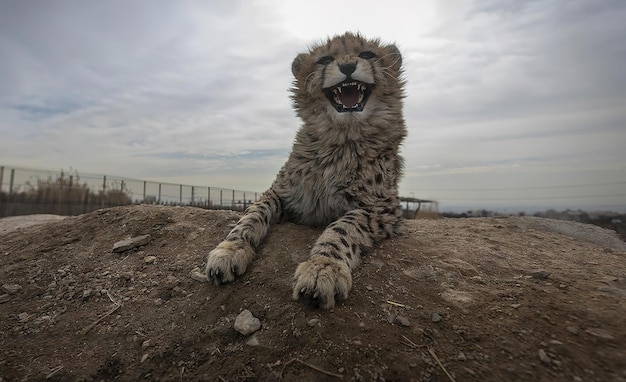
253, 341
86, 294
436, 317
172, 280
461, 356
11, 288
246, 323
313, 322
600, 333
541, 275
543, 356
515, 306
144, 357
149, 259
145, 344
4, 298
198, 275
131, 243
403, 321
23, 316
573, 329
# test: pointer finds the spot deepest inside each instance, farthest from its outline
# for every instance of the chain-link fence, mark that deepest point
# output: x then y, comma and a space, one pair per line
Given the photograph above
26, 191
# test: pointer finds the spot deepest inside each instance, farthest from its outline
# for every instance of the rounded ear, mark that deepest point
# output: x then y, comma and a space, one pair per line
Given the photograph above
296, 65
395, 54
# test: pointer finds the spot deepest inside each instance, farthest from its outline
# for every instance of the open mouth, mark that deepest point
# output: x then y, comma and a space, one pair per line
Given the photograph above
349, 96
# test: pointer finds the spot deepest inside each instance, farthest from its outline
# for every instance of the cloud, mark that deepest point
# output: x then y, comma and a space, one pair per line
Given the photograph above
527, 92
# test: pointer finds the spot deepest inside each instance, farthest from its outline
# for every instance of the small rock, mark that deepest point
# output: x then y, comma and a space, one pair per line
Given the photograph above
403, 321
149, 259
86, 294
436, 317
600, 333
541, 275
23, 316
246, 323
515, 306
145, 344
544, 357
172, 280
11, 288
253, 341
391, 318
198, 275
131, 243
144, 357
572, 329
461, 356
313, 322
369, 288
4, 298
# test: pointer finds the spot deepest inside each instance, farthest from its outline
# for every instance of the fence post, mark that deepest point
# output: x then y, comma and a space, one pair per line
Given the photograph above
144, 191
69, 208
180, 196
193, 191
233, 201
221, 198
244, 201
208, 199
104, 187
1, 179
11, 181
159, 200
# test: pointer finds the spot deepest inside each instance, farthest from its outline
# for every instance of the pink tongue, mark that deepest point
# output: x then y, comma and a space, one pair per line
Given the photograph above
349, 96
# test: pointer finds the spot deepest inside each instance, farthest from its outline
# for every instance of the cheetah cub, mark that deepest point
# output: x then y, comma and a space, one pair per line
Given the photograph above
343, 170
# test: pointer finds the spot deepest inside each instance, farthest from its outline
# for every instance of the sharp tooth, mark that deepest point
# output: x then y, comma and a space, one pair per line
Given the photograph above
339, 89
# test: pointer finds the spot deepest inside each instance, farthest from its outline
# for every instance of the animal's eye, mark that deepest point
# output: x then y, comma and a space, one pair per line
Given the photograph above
326, 60
367, 55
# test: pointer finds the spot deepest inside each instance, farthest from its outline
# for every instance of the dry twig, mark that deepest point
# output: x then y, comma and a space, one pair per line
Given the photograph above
396, 304
411, 343
432, 352
317, 368
53, 372
96, 322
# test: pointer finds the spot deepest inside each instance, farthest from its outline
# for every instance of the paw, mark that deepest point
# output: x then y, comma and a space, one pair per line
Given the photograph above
228, 260
320, 280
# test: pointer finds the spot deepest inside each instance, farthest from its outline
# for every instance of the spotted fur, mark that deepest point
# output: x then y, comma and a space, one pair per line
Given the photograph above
342, 173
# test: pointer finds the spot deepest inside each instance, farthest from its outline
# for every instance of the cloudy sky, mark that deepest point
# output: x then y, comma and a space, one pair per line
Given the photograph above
510, 104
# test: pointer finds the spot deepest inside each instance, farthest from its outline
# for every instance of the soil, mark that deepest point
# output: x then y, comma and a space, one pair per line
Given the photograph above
485, 299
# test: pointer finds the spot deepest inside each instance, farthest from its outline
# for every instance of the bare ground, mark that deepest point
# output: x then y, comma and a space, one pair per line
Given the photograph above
488, 299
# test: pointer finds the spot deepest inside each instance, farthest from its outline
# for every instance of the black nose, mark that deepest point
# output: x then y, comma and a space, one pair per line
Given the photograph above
347, 69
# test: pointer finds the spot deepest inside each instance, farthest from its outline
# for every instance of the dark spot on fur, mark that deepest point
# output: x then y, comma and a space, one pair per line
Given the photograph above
340, 230
364, 227
379, 178
330, 244
344, 242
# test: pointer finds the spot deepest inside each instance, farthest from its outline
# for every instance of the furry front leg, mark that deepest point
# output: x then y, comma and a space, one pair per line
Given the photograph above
232, 256
326, 276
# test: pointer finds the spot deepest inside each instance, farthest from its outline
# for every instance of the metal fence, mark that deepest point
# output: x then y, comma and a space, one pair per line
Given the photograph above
29, 191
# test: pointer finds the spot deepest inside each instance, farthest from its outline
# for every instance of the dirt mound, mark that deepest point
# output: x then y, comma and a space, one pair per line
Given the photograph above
466, 299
